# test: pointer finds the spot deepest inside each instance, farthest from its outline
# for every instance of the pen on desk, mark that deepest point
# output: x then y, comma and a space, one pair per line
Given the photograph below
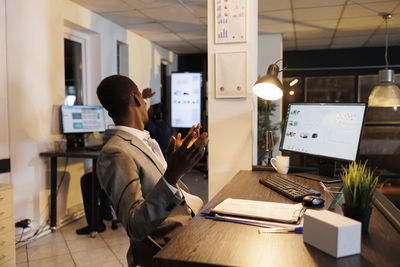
297, 230
326, 189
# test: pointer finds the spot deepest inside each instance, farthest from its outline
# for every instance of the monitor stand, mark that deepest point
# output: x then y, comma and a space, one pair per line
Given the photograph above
326, 172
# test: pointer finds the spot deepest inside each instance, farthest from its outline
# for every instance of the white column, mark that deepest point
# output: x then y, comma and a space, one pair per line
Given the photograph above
230, 121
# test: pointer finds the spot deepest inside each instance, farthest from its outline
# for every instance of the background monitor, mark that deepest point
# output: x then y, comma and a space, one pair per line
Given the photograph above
185, 99
325, 130
82, 119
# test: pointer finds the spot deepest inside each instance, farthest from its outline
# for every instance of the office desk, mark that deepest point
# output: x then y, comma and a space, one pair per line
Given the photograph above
81, 153
208, 242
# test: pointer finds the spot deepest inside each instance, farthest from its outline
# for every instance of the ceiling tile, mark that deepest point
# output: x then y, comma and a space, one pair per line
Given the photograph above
127, 18
312, 47
150, 28
199, 35
358, 23
318, 3
288, 35
369, 9
314, 34
275, 28
351, 41
169, 13
198, 8
104, 5
185, 26
313, 42
317, 13
316, 25
160, 37
272, 17
204, 21
289, 45
264, 5
348, 33
141, 4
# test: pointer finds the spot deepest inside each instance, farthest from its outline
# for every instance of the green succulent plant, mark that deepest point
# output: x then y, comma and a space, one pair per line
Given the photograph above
359, 185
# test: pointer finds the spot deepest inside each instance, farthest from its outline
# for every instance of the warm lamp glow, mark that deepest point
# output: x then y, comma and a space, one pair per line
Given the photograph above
291, 92
269, 87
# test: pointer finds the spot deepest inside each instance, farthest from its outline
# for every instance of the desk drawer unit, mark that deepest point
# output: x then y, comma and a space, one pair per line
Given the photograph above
7, 232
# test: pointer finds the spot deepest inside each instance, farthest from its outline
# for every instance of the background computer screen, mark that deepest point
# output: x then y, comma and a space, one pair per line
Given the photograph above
82, 119
185, 99
328, 130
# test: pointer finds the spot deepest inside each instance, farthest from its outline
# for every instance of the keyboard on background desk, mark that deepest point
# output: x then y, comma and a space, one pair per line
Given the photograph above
94, 148
288, 188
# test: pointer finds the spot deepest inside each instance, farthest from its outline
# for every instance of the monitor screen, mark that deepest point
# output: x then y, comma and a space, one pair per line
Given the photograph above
185, 99
327, 130
82, 119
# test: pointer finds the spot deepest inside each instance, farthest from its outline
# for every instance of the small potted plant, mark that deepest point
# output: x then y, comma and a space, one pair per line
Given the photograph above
359, 185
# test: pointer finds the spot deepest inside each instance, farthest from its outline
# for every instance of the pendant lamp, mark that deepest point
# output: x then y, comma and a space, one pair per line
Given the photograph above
386, 93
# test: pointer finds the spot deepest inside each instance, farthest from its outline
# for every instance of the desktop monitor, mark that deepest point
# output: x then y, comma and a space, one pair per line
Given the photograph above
185, 99
82, 119
329, 131
78, 120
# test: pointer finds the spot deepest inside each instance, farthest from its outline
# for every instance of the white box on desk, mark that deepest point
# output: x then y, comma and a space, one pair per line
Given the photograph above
332, 233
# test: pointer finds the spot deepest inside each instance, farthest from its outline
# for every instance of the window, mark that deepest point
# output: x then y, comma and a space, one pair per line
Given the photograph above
122, 59
74, 70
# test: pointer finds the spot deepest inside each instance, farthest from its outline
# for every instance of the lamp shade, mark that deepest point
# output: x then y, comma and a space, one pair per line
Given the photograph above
269, 87
386, 93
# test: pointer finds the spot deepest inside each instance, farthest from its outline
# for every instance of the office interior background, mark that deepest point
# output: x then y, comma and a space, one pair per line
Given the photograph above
335, 49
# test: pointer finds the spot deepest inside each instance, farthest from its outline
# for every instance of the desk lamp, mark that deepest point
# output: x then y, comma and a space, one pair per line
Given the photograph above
386, 93
269, 87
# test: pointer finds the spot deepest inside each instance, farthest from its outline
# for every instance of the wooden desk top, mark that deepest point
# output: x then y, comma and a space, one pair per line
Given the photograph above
208, 242
78, 153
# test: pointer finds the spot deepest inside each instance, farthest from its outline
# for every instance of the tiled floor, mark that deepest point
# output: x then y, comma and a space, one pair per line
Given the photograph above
65, 248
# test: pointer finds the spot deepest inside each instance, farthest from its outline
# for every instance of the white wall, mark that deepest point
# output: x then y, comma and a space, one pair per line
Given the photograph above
35, 67
230, 121
270, 50
4, 144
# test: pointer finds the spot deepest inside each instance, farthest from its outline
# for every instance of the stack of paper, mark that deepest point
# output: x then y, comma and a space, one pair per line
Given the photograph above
258, 213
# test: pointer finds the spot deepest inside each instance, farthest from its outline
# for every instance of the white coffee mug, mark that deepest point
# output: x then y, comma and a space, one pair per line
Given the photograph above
281, 164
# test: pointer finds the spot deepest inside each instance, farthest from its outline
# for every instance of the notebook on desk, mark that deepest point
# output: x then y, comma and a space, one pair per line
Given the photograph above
259, 210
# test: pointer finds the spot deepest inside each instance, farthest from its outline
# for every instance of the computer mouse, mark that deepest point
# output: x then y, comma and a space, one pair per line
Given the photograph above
313, 201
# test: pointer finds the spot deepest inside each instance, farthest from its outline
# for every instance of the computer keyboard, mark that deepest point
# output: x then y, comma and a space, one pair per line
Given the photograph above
288, 188
94, 148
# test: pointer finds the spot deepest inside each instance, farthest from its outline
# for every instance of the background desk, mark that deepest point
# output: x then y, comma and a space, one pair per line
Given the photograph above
82, 153
208, 242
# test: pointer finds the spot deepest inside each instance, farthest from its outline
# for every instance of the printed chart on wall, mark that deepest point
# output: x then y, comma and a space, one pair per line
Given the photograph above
230, 21
230, 75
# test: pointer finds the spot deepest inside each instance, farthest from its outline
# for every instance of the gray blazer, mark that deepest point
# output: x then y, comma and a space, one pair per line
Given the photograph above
130, 175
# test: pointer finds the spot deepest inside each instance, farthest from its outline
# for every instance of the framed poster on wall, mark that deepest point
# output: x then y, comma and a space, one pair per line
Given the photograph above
230, 75
230, 21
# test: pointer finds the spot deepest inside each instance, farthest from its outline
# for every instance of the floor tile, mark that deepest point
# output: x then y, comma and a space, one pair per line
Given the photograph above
94, 257
85, 244
120, 251
59, 261
21, 254
47, 250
